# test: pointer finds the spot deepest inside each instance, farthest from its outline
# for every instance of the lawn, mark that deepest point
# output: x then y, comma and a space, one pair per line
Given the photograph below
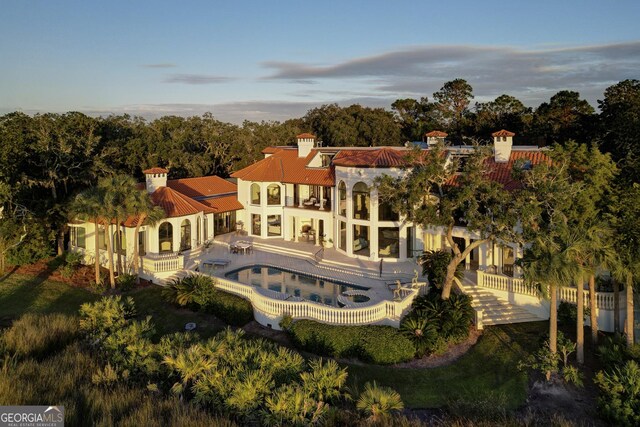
488, 370
20, 294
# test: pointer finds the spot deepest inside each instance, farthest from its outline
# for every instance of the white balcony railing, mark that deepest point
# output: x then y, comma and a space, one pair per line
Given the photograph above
164, 262
604, 300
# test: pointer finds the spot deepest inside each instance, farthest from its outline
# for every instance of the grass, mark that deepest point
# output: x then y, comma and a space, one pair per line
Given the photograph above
488, 369
20, 294
167, 318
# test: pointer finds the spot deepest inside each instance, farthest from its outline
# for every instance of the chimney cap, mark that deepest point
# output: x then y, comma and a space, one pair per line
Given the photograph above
155, 170
502, 132
305, 136
436, 134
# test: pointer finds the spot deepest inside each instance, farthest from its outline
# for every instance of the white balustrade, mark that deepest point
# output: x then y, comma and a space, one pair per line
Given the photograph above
604, 300
383, 310
160, 263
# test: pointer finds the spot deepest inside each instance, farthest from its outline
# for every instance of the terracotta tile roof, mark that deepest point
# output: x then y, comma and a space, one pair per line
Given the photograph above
501, 172
284, 165
305, 136
155, 170
503, 132
223, 203
205, 186
383, 158
176, 204
436, 134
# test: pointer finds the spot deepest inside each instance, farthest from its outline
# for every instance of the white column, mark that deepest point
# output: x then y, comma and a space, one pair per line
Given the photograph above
321, 197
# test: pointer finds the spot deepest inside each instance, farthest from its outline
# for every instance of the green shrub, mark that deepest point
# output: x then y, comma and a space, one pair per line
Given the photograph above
619, 400
37, 335
70, 262
613, 351
375, 344
572, 375
434, 323
199, 292
230, 308
434, 266
101, 318
125, 282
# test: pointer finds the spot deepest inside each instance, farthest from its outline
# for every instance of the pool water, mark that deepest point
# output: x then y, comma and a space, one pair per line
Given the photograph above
300, 285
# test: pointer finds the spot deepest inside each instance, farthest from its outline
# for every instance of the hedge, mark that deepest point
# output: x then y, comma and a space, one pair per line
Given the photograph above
227, 307
375, 344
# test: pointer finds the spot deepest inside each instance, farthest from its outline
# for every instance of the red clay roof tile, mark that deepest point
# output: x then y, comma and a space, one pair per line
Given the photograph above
203, 186
436, 134
176, 204
305, 136
284, 165
383, 158
155, 170
503, 132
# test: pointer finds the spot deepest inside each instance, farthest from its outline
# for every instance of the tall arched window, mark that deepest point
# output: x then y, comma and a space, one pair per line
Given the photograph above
185, 235
342, 198
165, 237
273, 194
255, 194
361, 201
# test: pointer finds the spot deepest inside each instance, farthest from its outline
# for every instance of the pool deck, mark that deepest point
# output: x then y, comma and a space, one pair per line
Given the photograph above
304, 258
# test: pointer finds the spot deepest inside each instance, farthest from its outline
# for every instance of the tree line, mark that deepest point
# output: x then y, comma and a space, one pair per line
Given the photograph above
46, 159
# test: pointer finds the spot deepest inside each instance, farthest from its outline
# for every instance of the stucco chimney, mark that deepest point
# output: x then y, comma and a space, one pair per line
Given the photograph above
155, 178
306, 143
502, 143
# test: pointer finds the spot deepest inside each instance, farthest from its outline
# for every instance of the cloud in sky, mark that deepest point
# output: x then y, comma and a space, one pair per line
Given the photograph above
531, 74
159, 65
196, 79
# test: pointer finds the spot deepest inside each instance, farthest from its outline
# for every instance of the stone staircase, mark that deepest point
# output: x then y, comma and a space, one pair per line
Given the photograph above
496, 310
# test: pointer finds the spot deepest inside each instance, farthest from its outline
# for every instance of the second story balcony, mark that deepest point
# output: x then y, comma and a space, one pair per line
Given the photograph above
312, 197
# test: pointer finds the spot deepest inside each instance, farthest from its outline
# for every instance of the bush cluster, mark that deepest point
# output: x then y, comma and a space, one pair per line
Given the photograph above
434, 323
619, 382
199, 292
376, 344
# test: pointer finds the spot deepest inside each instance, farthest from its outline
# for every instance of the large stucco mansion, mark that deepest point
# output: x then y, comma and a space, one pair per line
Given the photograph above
300, 199
307, 194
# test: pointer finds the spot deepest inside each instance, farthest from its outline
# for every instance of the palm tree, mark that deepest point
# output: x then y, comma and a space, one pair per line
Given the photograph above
144, 211
119, 194
625, 268
377, 402
549, 263
87, 205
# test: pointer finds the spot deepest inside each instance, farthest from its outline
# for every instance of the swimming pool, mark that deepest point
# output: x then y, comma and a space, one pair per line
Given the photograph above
310, 288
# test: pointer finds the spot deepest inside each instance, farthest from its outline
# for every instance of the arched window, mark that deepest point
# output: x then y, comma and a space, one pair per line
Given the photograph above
255, 194
361, 201
123, 242
185, 235
165, 237
342, 198
273, 194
